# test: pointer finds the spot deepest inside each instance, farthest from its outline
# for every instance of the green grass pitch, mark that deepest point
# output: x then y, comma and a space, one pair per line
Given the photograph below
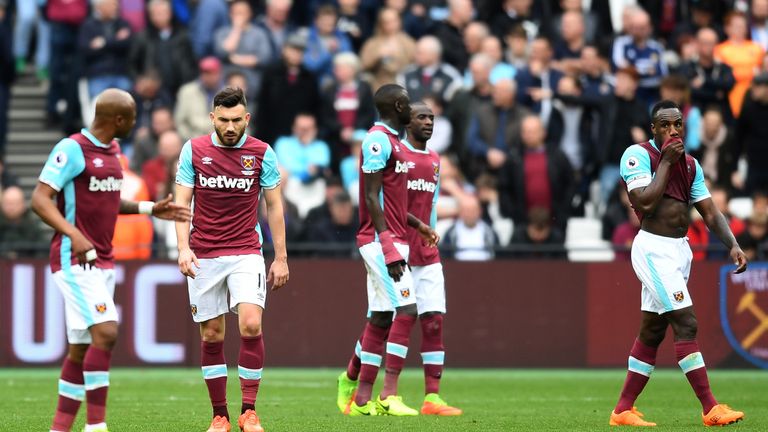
157, 400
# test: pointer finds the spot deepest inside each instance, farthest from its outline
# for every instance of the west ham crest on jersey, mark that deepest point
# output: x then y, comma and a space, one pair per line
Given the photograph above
744, 311
436, 169
679, 296
248, 161
101, 308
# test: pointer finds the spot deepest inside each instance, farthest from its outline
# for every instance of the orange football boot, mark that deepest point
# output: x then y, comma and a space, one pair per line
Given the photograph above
629, 418
249, 422
721, 415
219, 424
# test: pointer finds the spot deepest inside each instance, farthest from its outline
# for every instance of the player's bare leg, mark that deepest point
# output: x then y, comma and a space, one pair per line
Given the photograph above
250, 364
691, 361
71, 388
389, 403
214, 368
642, 360
433, 357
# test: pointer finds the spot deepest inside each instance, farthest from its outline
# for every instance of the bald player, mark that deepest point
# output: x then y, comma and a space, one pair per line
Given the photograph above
663, 183
83, 175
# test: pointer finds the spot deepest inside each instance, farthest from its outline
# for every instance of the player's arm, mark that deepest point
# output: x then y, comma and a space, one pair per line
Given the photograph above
184, 190
645, 199
278, 271
716, 222
65, 162
164, 209
392, 258
425, 231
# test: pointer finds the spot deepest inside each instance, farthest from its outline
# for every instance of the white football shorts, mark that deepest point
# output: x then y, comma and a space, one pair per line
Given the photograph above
663, 265
384, 294
242, 278
87, 299
429, 284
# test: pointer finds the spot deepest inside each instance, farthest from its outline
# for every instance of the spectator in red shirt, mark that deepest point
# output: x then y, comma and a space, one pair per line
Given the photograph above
157, 172
624, 235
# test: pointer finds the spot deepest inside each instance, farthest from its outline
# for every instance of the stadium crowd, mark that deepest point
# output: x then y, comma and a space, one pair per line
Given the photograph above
535, 101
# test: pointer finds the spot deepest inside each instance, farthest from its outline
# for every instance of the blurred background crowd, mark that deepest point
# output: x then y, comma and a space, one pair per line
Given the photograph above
535, 102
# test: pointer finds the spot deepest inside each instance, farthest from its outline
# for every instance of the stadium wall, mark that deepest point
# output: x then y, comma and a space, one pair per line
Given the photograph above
500, 314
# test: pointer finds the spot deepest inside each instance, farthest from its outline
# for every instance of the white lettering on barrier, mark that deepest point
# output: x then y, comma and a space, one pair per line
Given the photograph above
54, 343
146, 283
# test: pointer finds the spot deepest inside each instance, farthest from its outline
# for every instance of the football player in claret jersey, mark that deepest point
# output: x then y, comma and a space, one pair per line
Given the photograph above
383, 244
226, 172
663, 182
83, 174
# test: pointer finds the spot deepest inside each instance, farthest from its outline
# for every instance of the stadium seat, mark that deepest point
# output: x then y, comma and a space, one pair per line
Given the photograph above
740, 207
583, 241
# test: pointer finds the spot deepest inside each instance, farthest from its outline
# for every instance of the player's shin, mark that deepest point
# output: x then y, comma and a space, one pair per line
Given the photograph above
353, 367
692, 363
215, 374
370, 359
397, 350
642, 360
432, 351
249, 365
96, 381
71, 395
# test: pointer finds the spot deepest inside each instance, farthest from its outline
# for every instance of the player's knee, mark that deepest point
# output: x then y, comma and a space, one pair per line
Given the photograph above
381, 319
250, 327
687, 328
408, 310
77, 353
105, 337
212, 331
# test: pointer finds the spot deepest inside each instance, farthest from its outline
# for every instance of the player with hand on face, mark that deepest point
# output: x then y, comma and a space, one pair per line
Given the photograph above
383, 244
84, 175
226, 172
663, 182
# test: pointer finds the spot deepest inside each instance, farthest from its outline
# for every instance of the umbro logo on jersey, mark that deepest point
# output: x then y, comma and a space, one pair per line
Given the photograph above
222, 181
401, 167
207, 160
421, 185
98, 162
109, 184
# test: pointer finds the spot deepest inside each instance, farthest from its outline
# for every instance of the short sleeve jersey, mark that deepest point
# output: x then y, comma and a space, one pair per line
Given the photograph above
227, 184
423, 188
383, 151
87, 175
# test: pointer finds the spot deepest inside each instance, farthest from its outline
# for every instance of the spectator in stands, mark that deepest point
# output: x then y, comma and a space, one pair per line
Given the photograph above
674, 87
209, 16
302, 154
150, 94
494, 129
589, 21
389, 51
754, 240
243, 46
7, 179
193, 103
288, 88
705, 14
594, 79
624, 235
465, 102
322, 211
165, 47
491, 46
453, 187
158, 171
7, 74
567, 49
537, 82
28, 17
711, 80
470, 238
442, 136
415, 17
472, 39
449, 33
518, 48
132, 239
539, 236
569, 128
354, 22
275, 22
637, 49
105, 42
428, 74
520, 13
487, 191
717, 152
340, 225
536, 176
760, 201
758, 29
145, 144
349, 166
752, 133
346, 105
324, 42
615, 212
742, 55
19, 229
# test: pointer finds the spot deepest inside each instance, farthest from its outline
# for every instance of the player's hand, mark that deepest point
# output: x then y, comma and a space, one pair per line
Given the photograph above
739, 259
278, 273
430, 236
81, 246
186, 259
396, 270
166, 209
672, 149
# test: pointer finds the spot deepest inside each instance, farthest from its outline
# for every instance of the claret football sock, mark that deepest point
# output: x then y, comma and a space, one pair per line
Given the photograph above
215, 374
642, 360
249, 366
397, 350
353, 368
96, 379
692, 363
71, 395
370, 361
432, 352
